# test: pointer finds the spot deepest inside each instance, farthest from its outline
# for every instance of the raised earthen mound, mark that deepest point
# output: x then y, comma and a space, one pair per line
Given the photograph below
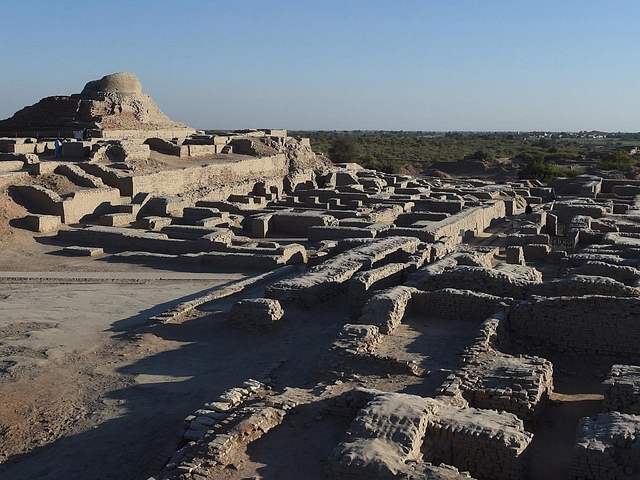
115, 102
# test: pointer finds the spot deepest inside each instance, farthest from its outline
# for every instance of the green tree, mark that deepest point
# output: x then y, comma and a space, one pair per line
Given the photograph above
618, 160
343, 150
482, 155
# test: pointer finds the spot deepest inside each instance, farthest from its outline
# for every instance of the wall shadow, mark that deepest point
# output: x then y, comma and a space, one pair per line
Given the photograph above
197, 361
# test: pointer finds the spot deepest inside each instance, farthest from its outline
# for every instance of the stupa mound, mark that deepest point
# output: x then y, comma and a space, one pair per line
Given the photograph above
122, 82
110, 107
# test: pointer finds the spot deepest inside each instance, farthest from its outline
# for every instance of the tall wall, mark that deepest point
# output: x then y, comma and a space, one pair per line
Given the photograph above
192, 178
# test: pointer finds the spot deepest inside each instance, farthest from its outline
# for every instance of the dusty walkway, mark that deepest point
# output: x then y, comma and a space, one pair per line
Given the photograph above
126, 396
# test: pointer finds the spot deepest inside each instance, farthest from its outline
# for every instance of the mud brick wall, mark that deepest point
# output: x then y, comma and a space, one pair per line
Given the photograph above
255, 313
385, 435
329, 279
587, 324
455, 304
606, 447
579, 285
488, 444
565, 212
356, 345
578, 259
218, 181
163, 206
386, 213
625, 274
522, 239
622, 390
298, 223
408, 219
318, 284
242, 260
436, 205
487, 280
78, 176
186, 179
163, 146
197, 150
316, 234
475, 219
386, 308
362, 284
129, 240
519, 385
386, 250
74, 207
536, 252
119, 151
42, 223
422, 277
393, 432
47, 201
609, 183
421, 233
348, 404
84, 203
487, 338
219, 432
110, 176
494, 380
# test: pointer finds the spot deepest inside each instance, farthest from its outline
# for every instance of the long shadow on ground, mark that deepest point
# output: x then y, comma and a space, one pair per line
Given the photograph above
209, 358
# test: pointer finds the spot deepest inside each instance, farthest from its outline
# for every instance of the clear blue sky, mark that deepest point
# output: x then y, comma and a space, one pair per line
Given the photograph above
339, 65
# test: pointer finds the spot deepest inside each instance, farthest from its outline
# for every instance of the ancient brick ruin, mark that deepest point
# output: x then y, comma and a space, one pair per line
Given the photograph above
447, 286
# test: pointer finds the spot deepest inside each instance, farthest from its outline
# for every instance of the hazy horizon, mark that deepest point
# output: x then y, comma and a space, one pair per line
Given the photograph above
462, 66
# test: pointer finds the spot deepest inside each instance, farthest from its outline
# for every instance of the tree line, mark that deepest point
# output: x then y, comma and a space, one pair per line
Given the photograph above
389, 150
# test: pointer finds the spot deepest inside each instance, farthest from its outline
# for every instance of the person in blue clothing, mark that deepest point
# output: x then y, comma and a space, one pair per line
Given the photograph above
57, 145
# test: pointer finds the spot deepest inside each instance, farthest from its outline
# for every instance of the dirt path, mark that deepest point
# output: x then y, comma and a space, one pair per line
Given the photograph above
109, 411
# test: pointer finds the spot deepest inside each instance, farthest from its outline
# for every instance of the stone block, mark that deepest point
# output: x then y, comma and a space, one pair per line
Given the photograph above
43, 223
255, 313
515, 255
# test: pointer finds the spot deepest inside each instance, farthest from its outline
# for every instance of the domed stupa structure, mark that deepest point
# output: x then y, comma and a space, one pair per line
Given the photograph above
122, 82
111, 107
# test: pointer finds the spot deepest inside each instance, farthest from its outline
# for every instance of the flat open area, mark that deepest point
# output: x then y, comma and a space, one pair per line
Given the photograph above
90, 391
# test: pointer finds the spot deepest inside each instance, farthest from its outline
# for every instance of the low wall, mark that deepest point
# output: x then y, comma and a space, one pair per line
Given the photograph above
450, 303
163, 146
491, 379
129, 239
606, 447
79, 176
46, 201
474, 220
488, 444
387, 308
579, 285
330, 278
394, 436
363, 283
316, 234
622, 390
592, 324
298, 223
512, 283
110, 176
85, 203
